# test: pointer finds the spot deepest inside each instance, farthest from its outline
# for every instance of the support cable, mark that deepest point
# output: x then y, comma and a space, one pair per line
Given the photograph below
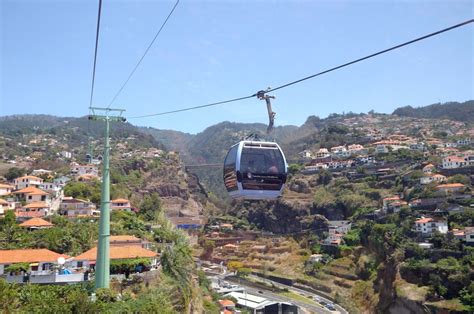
311, 76
144, 54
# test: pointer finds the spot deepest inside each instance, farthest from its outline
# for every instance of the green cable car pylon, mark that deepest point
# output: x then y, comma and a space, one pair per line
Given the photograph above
102, 267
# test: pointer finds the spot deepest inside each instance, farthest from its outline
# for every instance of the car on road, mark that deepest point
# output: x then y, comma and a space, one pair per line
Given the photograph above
330, 307
317, 299
260, 291
323, 303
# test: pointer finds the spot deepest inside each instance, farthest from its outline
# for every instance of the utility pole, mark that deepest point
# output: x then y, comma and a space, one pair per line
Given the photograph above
102, 267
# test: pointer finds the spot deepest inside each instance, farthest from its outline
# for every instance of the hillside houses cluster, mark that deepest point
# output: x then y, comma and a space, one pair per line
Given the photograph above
31, 196
42, 266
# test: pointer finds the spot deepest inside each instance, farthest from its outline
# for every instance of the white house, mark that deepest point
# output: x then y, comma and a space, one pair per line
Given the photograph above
27, 181
77, 208
80, 170
432, 178
3, 206
38, 259
453, 162
88, 259
66, 154
429, 168
339, 226
305, 154
428, 226
5, 189
120, 204
52, 188
39, 172
464, 142
33, 210
32, 194
379, 149
469, 235
356, 149
322, 153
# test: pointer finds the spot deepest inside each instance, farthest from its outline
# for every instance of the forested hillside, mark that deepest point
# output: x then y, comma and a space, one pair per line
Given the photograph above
451, 110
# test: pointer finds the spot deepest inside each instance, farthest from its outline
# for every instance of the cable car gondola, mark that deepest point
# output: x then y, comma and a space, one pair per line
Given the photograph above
255, 170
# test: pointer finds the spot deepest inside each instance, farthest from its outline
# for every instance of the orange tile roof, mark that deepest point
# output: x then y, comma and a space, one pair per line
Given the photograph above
120, 200
29, 177
31, 190
393, 198
36, 205
451, 185
29, 256
124, 238
226, 302
423, 220
36, 222
3, 202
118, 252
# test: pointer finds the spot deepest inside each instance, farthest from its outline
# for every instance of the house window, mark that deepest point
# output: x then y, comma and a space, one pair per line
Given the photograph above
471, 236
30, 197
80, 264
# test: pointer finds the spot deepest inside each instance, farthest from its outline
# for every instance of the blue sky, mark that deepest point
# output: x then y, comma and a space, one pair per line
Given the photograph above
215, 50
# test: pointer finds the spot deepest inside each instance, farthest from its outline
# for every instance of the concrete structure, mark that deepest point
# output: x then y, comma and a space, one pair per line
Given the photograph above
259, 305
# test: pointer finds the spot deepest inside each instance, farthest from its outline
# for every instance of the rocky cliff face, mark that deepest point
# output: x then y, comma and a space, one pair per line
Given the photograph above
281, 217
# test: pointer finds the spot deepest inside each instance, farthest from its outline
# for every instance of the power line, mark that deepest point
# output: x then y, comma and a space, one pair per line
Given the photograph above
314, 75
95, 52
144, 54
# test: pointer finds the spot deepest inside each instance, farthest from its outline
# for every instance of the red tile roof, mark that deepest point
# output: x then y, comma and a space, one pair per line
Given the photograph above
36, 222
118, 252
29, 256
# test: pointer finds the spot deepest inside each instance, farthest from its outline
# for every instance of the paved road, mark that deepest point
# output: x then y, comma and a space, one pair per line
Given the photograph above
277, 297
297, 290
313, 308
